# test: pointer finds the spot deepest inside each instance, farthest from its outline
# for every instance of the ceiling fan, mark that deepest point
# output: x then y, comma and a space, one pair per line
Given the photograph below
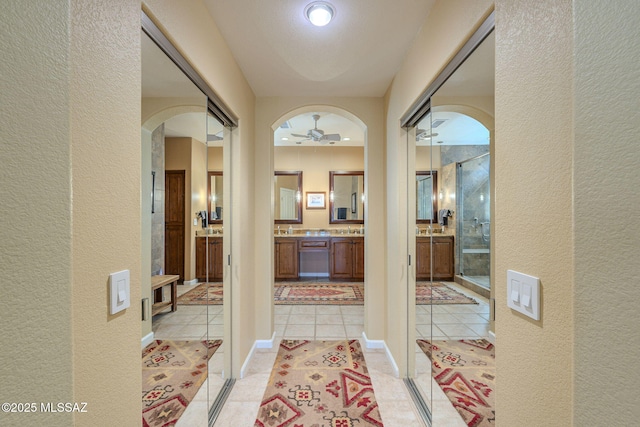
317, 135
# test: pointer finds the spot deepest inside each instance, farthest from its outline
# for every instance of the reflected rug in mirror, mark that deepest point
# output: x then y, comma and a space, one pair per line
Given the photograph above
172, 373
440, 293
465, 370
203, 294
319, 383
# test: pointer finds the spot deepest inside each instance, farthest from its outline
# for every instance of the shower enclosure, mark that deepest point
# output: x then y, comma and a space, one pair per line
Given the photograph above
474, 219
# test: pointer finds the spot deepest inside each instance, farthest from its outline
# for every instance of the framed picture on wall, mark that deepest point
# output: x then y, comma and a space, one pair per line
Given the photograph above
316, 200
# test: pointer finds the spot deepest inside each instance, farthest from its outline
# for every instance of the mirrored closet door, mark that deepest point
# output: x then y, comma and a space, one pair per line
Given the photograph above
186, 368
451, 355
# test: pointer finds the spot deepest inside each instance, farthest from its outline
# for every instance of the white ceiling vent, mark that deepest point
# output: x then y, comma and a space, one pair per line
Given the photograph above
437, 123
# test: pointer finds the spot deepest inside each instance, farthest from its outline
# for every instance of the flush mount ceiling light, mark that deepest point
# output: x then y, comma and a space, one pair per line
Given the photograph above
319, 13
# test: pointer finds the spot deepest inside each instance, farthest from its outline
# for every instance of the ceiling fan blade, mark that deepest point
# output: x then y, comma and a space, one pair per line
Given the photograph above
211, 137
299, 135
331, 137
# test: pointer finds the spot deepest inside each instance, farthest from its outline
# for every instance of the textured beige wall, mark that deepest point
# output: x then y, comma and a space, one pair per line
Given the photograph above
370, 112
533, 209
105, 174
448, 26
192, 30
36, 183
606, 202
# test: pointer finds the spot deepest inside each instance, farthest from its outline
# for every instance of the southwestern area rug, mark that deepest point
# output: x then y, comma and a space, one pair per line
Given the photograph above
440, 293
203, 294
301, 293
465, 370
319, 383
319, 293
172, 373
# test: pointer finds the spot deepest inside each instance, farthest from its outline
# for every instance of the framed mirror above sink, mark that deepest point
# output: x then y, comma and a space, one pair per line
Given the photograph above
288, 196
426, 198
214, 196
346, 197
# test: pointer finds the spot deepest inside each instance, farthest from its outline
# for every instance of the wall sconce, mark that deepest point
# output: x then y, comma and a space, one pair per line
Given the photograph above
331, 196
298, 196
441, 195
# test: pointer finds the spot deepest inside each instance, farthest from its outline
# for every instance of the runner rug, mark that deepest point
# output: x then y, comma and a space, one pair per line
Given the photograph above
172, 373
301, 293
319, 383
205, 293
465, 370
439, 293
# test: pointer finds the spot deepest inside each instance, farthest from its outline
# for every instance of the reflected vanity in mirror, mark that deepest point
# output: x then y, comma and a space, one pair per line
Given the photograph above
346, 197
288, 191
215, 194
426, 199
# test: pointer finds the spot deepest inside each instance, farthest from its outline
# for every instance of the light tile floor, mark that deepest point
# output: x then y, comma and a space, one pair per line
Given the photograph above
324, 322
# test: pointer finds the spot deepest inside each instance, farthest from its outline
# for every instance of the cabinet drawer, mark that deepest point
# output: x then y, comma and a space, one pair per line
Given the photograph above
308, 245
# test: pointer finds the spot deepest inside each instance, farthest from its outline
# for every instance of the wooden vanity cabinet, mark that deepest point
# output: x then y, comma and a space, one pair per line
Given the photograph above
286, 258
347, 258
443, 259
213, 269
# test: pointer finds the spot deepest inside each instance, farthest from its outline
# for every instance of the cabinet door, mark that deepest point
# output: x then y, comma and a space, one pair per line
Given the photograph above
358, 259
201, 258
443, 265
341, 259
215, 259
286, 259
423, 259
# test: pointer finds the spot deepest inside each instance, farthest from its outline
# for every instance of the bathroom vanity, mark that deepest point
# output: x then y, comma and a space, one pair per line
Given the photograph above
344, 252
443, 258
209, 248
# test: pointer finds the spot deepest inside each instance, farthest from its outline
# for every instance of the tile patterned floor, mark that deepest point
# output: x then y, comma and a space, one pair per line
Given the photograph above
325, 322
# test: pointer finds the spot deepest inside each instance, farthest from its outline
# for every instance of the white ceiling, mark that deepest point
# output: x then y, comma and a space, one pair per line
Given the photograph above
356, 54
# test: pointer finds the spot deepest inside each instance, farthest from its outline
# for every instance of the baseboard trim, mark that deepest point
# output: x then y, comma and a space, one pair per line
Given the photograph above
492, 337
372, 343
147, 339
382, 344
190, 282
266, 343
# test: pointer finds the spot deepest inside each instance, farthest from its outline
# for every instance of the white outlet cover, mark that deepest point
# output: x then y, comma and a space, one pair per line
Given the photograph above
523, 294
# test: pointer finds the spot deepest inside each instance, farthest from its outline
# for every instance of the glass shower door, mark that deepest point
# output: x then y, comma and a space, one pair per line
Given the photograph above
474, 219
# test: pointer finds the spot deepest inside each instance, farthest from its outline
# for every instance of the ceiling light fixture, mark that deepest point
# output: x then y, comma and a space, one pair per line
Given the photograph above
319, 13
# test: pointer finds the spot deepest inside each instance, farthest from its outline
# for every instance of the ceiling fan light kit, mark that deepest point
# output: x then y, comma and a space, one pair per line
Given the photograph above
319, 13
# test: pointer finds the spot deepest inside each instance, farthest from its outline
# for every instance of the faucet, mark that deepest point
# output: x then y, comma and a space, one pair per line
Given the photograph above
349, 230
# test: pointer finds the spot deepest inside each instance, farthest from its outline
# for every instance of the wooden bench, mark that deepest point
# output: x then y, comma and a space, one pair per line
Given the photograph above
157, 282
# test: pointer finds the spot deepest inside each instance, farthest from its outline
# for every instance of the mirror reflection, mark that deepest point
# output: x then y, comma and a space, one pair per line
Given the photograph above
426, 199
288, 191
185, 296
452, 142
346, 197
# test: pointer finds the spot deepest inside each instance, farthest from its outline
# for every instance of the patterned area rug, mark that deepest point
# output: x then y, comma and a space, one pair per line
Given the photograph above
319, 384
314, 293
205, 293
466, 372
172, 373
439, 293
301, 293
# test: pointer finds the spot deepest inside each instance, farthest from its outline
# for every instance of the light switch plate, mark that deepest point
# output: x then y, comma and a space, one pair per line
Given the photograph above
119, 291
523, 294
